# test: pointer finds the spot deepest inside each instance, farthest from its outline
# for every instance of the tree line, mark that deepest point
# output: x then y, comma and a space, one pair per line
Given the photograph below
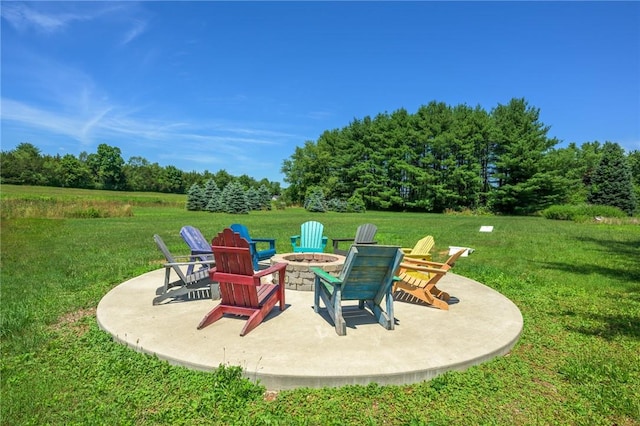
458, 158
106, 169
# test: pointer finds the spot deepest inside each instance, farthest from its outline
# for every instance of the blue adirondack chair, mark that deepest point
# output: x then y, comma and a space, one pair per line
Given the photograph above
367, 276
310, 238
200, 247
257, 255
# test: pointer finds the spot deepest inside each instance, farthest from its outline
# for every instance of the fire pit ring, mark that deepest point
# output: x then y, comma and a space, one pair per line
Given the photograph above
299, 275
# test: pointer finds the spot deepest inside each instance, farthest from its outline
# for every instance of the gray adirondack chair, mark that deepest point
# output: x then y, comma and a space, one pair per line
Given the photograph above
365, 234
187, 283
367, 276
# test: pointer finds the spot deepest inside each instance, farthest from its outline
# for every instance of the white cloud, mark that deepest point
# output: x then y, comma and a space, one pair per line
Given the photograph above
24, 16
138, 28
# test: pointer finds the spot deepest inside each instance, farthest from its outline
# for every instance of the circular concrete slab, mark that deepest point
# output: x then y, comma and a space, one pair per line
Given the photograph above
299, 348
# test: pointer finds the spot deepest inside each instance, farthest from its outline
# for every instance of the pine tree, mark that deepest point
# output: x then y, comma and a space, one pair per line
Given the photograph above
265, 197
234, 199
195, 197
315, 201
212, 195
253, 199
611, 182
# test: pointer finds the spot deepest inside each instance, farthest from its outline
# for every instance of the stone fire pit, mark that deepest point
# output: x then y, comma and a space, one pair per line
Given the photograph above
299, 275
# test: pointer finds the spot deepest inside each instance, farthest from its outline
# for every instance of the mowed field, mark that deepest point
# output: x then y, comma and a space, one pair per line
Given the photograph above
576, 284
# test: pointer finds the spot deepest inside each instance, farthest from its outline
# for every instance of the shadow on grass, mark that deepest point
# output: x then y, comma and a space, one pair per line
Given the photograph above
611, 326
627, 271
622, 263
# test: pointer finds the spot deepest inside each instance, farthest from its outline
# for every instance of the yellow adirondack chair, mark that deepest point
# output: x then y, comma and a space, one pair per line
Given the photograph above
418, 278
421, 249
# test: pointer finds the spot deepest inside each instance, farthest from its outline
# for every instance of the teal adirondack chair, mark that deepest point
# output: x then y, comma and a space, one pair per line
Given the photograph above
310, 239
367, 276
257, 255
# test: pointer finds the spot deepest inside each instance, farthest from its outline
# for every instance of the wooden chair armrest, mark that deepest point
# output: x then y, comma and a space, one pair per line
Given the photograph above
197, 262
270, 241
412, 267
339, 240
264, 240
278, 267
422, 262
325, 276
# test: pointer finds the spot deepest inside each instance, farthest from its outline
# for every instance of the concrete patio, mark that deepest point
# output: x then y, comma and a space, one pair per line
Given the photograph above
299, 348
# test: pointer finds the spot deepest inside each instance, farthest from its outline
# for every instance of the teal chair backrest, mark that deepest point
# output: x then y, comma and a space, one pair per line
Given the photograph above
311, 238
369, 271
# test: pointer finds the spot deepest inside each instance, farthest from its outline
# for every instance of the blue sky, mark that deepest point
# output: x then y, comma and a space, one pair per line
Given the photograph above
238, 85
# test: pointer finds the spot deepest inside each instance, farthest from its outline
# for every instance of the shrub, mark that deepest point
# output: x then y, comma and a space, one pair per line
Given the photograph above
337, 205
581, 212
355, 204
314, 201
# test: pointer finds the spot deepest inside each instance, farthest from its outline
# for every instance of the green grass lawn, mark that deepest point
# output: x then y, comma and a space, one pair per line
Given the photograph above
577, 285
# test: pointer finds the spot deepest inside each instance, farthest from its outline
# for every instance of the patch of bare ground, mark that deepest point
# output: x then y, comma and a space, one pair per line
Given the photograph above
270, 395
73, 321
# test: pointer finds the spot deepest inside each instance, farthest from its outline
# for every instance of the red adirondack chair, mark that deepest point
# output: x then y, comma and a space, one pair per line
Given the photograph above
241, 291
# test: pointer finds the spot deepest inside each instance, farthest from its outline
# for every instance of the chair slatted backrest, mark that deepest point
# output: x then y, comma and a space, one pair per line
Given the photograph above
369, 270
424, 246
365, 233
194, 239
169, 257
311, 234
234, 269
243, 231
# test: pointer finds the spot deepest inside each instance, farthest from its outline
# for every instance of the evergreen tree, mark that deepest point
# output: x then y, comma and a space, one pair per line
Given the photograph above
234, 199
212, 195
520, 144
611, 182
315, 201
195, 198
253, 199
265, 197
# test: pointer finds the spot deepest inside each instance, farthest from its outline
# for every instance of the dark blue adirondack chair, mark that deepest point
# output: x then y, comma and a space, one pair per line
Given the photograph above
310, 239
257, 255
367, 276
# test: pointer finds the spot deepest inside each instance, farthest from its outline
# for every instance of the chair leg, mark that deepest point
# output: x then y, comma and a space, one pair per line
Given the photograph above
426, 296
214, 315
338, 319
254, 320
442, 295
316, 296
